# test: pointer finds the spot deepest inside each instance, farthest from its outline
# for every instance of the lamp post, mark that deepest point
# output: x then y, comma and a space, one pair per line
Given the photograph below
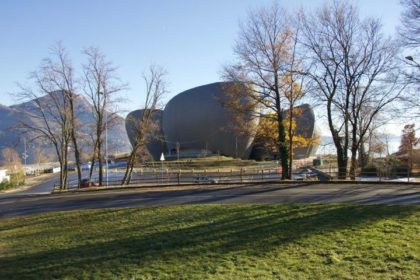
162, 159
106, 141
25, 156
410, 58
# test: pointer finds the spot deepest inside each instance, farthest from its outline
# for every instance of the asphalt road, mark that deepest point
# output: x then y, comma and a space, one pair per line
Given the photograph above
274, 193
47, 186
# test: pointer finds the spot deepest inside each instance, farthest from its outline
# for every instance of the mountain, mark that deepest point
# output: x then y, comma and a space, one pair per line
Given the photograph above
13, 137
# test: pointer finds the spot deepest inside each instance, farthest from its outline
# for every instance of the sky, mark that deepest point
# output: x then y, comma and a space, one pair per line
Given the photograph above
191, 39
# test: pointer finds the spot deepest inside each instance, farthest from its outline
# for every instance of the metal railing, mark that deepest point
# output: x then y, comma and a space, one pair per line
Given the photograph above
156, 177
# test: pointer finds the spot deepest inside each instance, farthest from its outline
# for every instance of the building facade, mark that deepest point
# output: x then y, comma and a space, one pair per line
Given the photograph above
197, 123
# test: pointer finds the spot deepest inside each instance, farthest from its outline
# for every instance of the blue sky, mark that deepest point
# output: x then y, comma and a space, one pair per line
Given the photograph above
191, 39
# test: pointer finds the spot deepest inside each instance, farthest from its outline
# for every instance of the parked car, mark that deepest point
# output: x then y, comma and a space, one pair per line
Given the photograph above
85, 166
86, 183
205, 180
305, 174
71, 167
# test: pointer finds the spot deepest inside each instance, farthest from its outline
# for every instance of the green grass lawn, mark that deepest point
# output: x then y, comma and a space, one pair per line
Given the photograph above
212, 162
303, 241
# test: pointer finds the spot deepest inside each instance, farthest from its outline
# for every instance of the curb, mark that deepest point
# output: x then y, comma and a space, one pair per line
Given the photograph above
138, 186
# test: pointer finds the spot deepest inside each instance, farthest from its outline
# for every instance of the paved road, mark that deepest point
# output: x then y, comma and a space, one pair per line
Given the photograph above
292, 193
47, 186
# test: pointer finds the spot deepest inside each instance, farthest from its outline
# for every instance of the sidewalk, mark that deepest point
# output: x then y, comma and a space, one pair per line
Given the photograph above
29, 182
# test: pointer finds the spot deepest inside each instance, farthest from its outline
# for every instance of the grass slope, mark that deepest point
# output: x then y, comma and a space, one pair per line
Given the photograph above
302, 241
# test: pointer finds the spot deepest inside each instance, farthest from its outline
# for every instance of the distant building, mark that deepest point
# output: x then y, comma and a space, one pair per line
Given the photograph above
195, 123
3, 176
157, 145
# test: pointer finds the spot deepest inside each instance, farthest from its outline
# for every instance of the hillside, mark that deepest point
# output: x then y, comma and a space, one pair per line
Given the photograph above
13, 137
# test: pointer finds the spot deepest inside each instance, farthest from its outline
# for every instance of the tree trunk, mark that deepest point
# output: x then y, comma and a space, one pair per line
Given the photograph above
77, 158
63, 166
93, 159
362, 154
342, 166
92, 164
100, 170
62, 181
353, 163
283, 148
129, 169
290, 140
281, 136
341, 151
74, 138
66, 161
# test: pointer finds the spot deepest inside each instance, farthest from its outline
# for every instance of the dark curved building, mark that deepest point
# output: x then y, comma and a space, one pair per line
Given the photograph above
305, 126
196, 121
156, 146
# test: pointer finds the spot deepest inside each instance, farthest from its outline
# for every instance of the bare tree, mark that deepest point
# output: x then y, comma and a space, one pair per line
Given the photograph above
409, 38
372, 139
408, 141
147, 126
295, 90
353, 70
101, 86
262, 51
50, 107
409, 31
65, 72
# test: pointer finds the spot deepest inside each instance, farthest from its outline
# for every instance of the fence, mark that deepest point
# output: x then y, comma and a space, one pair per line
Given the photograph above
155, 176
148, 176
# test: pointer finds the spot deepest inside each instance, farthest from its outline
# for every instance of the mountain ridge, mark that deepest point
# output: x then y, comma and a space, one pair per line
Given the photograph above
11, 136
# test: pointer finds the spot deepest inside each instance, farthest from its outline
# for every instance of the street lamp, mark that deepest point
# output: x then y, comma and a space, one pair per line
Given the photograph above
162, 159
24, 156
410, 58
106, 141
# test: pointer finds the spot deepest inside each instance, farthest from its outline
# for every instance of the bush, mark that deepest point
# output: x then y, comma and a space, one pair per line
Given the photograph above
16, 180
6, 185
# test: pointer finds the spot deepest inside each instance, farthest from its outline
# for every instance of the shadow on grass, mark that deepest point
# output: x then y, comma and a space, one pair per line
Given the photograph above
183, 235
